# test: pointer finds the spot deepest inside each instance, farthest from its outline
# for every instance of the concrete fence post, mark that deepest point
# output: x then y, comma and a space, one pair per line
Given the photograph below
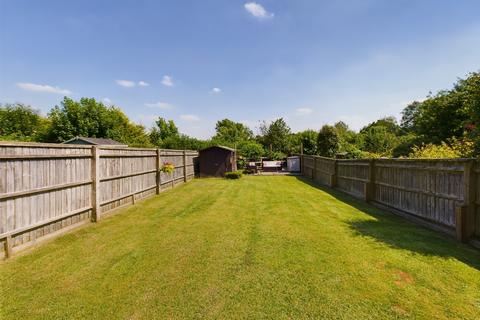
95, 171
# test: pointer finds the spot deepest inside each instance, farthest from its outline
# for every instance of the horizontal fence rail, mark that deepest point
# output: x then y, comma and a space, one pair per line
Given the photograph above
443, 194
49, 188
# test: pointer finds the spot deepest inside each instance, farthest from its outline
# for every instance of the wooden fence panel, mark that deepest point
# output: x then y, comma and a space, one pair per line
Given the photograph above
308, 165
324, 170
430, 189
47, 188
352, 176
126, 175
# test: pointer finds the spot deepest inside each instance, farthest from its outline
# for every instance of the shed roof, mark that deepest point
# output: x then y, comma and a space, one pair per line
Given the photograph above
221, 147
96, 141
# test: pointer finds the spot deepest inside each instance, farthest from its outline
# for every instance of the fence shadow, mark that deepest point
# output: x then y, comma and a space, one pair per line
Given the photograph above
398, 232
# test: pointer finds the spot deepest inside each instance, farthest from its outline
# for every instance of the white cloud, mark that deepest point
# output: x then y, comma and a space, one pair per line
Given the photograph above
216, 90
167, 81
42, 88
189, 117
125, 83
303, 111
107, 101
143, 84
159, 105
257, 10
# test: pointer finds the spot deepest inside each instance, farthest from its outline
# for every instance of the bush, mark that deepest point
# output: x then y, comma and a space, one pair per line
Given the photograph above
454, 149
233, 175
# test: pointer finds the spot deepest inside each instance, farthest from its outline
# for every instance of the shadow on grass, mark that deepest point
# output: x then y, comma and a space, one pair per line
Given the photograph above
397, 232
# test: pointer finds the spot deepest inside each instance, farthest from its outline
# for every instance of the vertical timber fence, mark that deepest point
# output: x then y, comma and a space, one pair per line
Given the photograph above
46, 189
442, 194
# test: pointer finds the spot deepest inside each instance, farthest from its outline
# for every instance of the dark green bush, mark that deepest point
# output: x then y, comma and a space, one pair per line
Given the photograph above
233, 175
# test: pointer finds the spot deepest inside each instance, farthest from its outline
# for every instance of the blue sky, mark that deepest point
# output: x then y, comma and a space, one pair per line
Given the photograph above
311, 62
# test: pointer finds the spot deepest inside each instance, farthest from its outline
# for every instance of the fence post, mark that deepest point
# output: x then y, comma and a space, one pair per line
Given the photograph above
314, 172
185, 165
465, 214
8, 247
369, 191
158, 177
95, 184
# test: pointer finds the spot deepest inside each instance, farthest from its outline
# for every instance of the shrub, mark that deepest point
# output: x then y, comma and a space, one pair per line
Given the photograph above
454, 149
233, 175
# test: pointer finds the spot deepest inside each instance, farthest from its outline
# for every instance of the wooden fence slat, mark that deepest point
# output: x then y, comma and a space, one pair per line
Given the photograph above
95, 184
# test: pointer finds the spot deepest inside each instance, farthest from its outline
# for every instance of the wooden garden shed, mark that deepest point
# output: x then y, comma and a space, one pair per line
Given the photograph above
216, 160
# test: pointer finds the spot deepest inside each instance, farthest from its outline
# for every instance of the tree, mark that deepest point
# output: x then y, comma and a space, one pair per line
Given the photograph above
307, 139
21, 122
250, 150
378, 139
183, 142
90, 118
166, 135
163, 131
349, 141
275, 136
328, 141
231, 133
409, 116
389, 123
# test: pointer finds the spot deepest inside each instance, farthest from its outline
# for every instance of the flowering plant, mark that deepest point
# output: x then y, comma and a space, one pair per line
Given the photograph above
168, 167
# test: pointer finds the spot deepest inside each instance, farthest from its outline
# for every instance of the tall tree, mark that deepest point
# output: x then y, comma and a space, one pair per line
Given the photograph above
164, 130
306, 138
378, 139
276, 136
90, 118
231, 133
328, 141
21, 122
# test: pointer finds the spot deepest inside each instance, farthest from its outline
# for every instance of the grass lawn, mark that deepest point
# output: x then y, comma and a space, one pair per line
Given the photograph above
260, 247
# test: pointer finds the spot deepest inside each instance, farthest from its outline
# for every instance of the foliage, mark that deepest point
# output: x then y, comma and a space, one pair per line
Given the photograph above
164, 130
275, 155
307, 139
167, 136
328, 142
90, 118
389, 123
349, 141
233, 175
250, 150
275, 136
230, 133
405, 144
453, 149
21, 122
378, 139
168, 167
